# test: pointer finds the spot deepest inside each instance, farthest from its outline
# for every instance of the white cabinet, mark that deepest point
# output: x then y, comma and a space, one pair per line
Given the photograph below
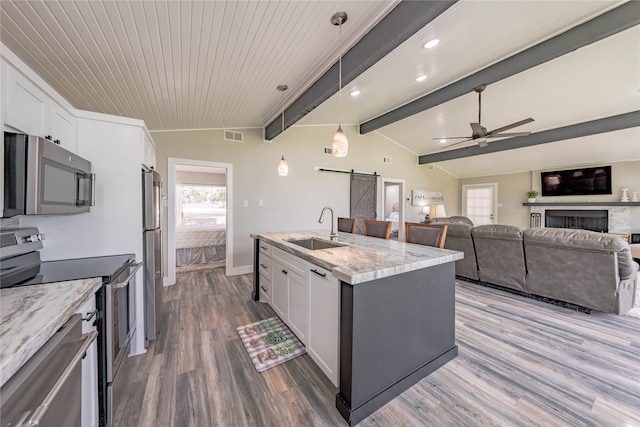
27, 105
62, 127
298, 305
280, 295
324, 322
307, 299
89, 403
31, 110
149, 157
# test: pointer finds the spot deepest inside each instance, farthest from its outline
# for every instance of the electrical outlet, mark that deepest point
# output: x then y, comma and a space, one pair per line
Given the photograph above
245, 203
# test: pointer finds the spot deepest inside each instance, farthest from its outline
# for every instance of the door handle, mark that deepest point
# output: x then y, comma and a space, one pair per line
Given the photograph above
285, 272
125, 282
318, 273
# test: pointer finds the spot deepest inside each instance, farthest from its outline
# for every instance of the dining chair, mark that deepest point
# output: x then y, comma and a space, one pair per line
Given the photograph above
375, 228
426, 234
347, 225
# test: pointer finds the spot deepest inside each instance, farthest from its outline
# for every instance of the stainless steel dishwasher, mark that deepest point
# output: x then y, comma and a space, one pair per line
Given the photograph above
46, 391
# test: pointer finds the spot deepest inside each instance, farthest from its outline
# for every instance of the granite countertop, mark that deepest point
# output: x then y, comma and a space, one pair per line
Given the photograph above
30, 315
364, 258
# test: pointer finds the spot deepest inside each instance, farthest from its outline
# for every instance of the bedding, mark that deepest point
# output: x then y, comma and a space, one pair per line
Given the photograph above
197, 244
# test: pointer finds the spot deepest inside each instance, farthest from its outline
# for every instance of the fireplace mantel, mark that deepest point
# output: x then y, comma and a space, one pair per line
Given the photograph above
582, 204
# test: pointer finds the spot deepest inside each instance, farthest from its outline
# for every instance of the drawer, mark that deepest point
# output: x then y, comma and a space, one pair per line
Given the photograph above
264, 266
265, 248
265, 289
290, 261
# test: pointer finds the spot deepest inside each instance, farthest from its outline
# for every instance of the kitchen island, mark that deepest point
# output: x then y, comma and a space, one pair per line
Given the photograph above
30, 315
395, 309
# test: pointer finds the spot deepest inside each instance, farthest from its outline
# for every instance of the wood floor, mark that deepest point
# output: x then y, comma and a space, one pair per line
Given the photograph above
521, 363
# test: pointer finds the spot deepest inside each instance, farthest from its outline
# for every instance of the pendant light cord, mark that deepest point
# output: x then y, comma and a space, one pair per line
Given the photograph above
340, 81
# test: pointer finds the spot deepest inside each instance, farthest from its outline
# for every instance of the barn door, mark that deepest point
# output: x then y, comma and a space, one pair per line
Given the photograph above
363, 198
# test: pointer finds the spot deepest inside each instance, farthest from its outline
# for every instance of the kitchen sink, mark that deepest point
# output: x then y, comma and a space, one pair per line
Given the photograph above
314, 243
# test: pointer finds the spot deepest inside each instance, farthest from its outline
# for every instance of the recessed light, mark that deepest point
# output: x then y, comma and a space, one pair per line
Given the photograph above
421, 78
443, 141
431, 43
355, 92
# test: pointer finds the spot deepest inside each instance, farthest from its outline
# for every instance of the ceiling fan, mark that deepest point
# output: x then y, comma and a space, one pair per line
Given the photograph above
479, 133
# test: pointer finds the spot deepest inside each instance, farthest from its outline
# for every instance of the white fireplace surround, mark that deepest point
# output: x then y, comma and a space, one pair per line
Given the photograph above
619, 216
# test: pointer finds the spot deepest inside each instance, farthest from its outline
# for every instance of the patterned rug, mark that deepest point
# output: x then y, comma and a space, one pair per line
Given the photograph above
269, 343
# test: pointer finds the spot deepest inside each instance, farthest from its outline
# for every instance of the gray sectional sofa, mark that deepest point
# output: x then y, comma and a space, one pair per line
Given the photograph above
589, 269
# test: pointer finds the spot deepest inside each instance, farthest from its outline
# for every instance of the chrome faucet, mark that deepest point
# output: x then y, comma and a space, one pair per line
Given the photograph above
333, 235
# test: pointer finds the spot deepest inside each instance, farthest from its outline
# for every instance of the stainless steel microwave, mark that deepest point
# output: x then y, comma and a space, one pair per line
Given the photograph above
42, 178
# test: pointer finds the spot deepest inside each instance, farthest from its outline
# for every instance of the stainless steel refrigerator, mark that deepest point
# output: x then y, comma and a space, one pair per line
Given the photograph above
152, 238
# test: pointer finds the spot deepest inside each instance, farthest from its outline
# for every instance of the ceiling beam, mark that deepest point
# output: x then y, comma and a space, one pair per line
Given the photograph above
404, 20
612, 22
607, 124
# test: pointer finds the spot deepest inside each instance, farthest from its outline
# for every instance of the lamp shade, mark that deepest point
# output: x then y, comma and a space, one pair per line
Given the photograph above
340, 145
437, 211
283, 167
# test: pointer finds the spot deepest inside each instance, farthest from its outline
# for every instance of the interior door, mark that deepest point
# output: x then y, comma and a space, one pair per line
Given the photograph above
363, 198
479, 203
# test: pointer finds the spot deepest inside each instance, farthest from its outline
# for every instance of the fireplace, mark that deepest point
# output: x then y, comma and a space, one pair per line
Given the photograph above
594, 220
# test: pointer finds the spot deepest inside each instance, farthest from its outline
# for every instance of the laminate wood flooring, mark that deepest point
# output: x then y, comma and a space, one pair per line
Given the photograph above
521, 363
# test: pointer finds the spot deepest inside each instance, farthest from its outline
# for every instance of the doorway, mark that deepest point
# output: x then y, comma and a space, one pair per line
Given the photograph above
393, 206
479, 203
199, 215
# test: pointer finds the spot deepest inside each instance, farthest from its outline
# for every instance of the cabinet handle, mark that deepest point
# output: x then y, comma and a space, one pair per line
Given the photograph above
90, 315
263, 266
48, 137
263, 247
318, 273
263, 288
285, 272
57, 141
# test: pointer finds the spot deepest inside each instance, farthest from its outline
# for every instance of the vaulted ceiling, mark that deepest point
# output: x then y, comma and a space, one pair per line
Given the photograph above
216, 64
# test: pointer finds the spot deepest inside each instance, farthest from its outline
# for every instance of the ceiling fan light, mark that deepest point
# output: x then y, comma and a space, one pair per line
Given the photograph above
340, 145
283, 167
431, 43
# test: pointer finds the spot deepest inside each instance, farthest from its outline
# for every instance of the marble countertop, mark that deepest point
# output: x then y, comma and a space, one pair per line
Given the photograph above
364, 258
30, 315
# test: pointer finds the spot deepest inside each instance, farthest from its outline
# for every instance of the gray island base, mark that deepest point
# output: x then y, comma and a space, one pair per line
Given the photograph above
396, 313
393, 332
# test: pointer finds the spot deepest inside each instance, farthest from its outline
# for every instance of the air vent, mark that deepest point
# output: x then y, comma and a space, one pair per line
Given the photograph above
328, 150
386, 160
232, 136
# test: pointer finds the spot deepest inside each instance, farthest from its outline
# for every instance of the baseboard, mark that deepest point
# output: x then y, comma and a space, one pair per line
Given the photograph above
236, 271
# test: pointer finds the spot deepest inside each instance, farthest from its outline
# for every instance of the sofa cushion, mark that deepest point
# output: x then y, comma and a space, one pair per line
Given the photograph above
459, 239
585, 240
500, 255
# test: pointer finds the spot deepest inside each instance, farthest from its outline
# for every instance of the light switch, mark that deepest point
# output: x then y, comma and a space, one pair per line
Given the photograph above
245, 203
260, 203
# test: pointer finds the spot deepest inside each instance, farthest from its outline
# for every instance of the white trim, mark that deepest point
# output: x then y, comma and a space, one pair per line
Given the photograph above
463, 194
236, 271
401, 204
171, 214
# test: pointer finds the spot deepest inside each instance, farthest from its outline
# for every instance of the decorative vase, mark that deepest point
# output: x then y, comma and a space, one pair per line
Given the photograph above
531, 200
634, 197
625, 195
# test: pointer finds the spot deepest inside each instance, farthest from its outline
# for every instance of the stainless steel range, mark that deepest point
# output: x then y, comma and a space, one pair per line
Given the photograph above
115, 320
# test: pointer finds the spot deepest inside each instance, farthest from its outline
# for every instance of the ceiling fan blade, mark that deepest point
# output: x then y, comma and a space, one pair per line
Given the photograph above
478, 131
456, 143
511, 126
450, 137
508, 134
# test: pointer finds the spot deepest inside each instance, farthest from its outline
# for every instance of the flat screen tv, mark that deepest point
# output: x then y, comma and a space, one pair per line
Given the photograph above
577, 182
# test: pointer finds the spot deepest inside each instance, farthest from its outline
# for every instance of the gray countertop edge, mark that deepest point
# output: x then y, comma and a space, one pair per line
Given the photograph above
31, 315
330, 258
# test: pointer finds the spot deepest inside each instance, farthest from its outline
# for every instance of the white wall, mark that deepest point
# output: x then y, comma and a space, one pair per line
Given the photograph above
294, 202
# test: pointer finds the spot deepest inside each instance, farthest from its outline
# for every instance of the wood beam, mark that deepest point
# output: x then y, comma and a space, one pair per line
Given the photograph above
594, 127
407, 18
601, 27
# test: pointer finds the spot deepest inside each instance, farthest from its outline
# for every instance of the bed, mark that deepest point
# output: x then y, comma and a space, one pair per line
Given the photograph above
199, 244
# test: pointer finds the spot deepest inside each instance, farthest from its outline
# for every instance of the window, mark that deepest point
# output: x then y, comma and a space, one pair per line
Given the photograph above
204, 205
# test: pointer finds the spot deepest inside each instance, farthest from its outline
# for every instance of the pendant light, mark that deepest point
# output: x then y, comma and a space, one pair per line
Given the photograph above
283, 167
340, 145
